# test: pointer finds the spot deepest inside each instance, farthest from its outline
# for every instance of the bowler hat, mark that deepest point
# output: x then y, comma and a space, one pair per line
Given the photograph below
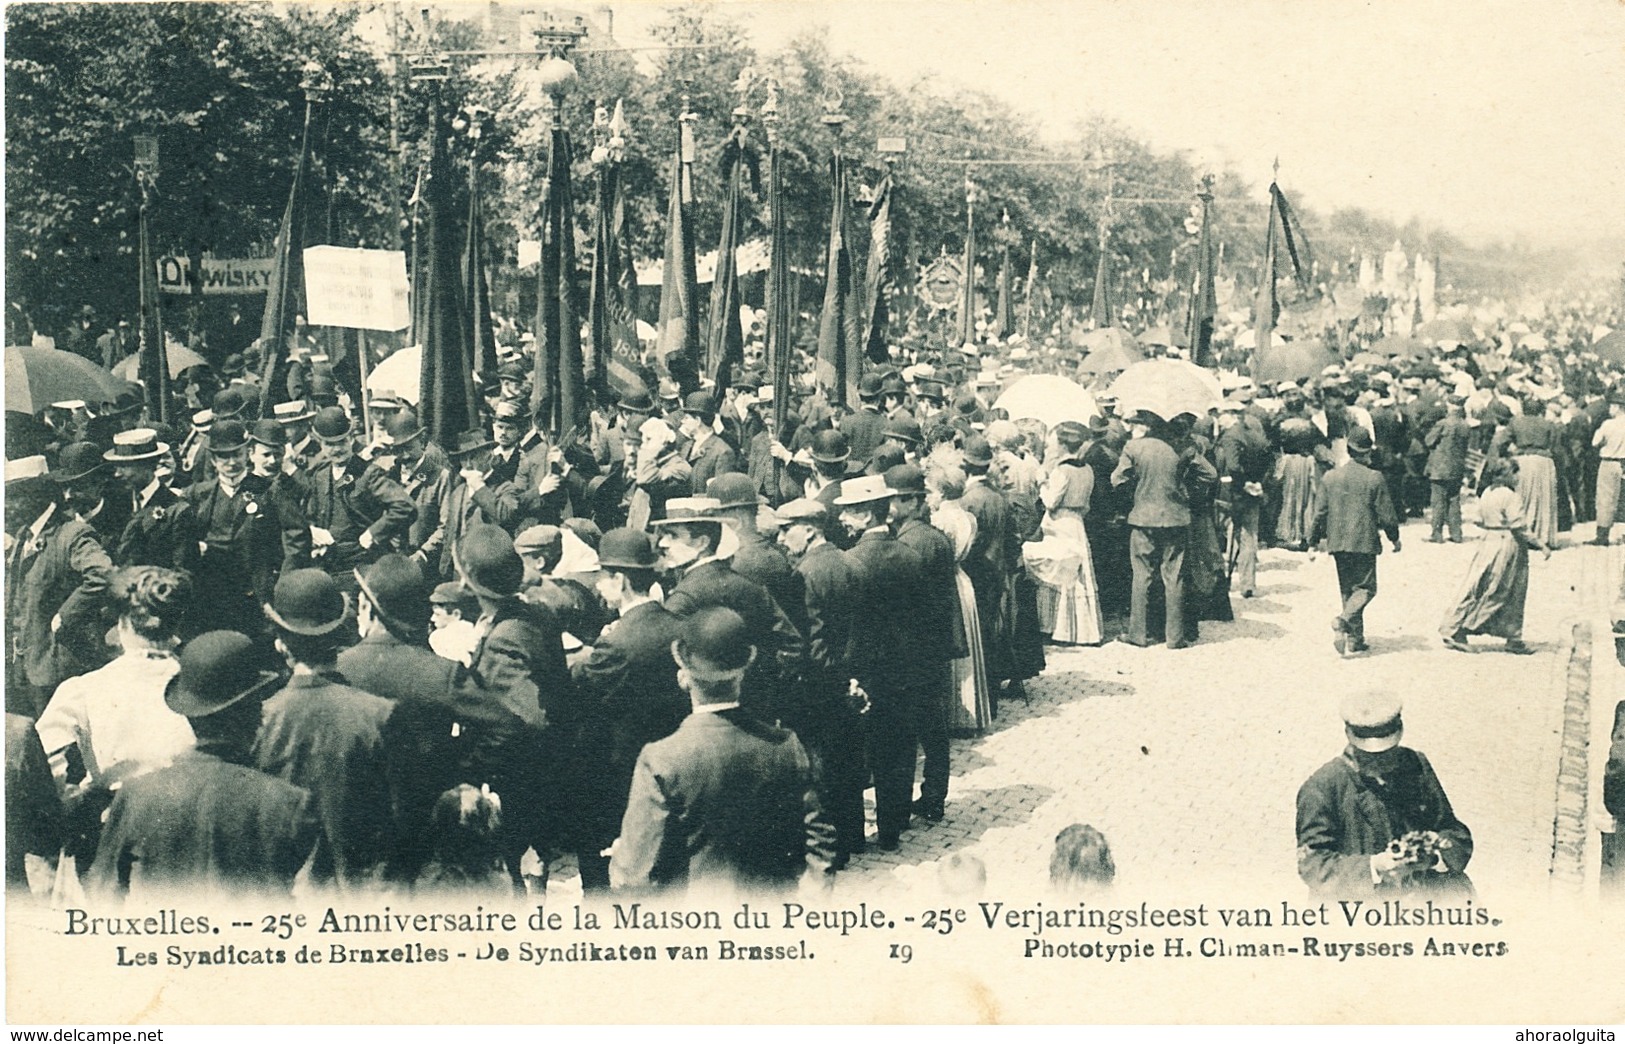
1372, 720
267, 433
216, 670
469, 443
930, 389
906, 480
227, 436
831, 447
870, 386
700, 403
228, 403
127, 401
1071, 434
1359, 440
905, 429
626, 549
403, 427
487, 562
863, 490
715, 645
79, 460
978, 452
731, 490
638, 400
892, 384
332, 423
397, 590
308, 602
135, 445
511, 371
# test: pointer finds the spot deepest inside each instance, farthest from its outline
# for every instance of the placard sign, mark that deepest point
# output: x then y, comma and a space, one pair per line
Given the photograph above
356, 289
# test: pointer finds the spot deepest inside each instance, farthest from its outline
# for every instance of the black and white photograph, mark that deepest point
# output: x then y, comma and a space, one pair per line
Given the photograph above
893, 512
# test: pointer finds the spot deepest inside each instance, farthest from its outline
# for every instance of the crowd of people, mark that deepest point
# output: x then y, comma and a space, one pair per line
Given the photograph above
301, 644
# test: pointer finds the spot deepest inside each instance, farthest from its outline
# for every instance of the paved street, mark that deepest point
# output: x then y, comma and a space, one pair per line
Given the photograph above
1189, 761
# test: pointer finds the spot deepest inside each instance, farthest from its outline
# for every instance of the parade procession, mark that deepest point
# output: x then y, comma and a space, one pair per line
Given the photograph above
451, 452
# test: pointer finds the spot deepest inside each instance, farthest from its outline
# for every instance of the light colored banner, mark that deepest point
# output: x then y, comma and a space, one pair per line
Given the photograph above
356, 289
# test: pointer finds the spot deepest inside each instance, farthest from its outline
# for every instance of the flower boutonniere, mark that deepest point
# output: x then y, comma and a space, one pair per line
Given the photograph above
158, 514
250, 506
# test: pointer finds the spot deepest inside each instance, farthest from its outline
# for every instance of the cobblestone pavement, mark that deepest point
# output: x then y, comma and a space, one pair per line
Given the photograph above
1189, 761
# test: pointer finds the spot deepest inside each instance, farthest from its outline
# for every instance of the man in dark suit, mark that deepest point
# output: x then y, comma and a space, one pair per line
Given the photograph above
1352, 507
828, 721
726, 801
244, 533
865, 429
757, 557
1243, 460
468, 502
887, 649
698, 547
209, 821
1447, 443
58, 574
424, 477
711, 454
322, 734
942, 631
988, 565
629, 685
1159, 523
356, 510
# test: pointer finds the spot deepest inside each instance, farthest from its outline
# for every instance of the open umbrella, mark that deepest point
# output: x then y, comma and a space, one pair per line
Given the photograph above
1167, 388
1292, 361
1394, 344
37, 377
1611, 347
1249, 339
1369, 359
1048, 398
1166, 337
1456, 331
181, 359
1110, 348
401, 373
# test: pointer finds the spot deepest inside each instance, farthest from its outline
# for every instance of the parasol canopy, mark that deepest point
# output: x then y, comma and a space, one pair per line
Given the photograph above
1248, 338
1292, 361
1110, 350
37, 377
1167, 388
1611, 347
1049, 398
181, 359
1455, 331
1369, 359
401, 373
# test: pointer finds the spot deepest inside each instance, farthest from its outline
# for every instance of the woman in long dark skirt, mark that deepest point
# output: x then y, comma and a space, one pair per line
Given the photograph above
1492, 597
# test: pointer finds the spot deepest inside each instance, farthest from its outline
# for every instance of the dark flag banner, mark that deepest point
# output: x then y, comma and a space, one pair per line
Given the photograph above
967, 288
559, 387
1032, 288
1266, 309
839, 351
476, 286
612, 305
678, 348
878, 284
779, 349
1003, 317
1204, 301
1100, 312
447, 403
285, 295
153, 367
725, 343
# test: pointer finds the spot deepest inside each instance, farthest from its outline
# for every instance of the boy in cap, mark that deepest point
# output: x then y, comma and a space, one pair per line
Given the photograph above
1375, 819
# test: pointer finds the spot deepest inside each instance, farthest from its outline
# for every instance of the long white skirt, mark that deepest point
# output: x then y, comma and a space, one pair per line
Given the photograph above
1068, 600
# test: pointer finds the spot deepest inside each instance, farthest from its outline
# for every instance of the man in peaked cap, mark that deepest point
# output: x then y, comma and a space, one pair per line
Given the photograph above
1360, 814
631, 678
157, 532
321, 734
210, 820
245, 535
886, 657
356, 510
725, 801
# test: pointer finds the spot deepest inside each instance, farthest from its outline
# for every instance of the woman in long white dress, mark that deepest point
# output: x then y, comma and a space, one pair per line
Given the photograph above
973, 706
1068, 601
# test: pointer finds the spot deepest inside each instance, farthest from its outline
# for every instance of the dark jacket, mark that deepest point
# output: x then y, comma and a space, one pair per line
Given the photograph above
325, 736
427, 487
833, 587
772, 632
724, 801
250, 537
205, 823
1156, 470
864, 431
1346, 814
361, 499
1352, 507
64, 575
33, 810
159, 534
716, 457
942, 628
1447, 443
887, 655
